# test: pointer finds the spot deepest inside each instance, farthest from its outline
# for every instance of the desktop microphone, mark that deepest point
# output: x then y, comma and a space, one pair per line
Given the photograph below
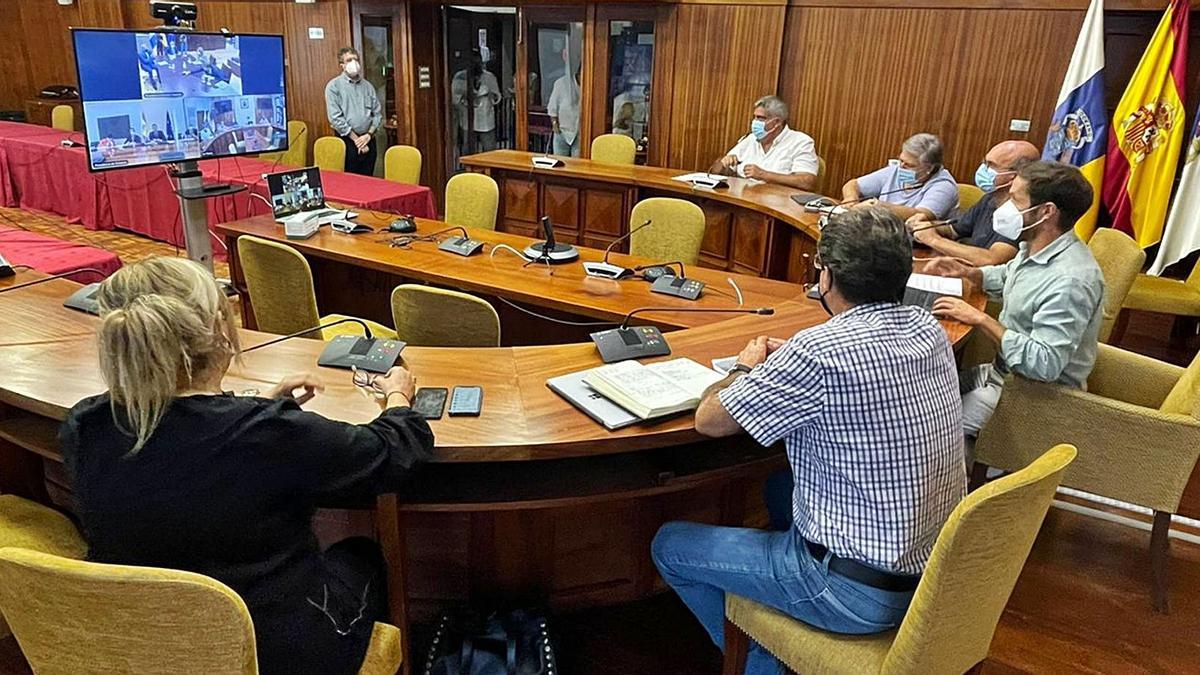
6, 268
43, 280
623, 343
346, 351
604, 270
549, 250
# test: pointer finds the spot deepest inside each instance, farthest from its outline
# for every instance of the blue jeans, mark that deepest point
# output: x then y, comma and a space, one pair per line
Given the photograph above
703, 562
564, 149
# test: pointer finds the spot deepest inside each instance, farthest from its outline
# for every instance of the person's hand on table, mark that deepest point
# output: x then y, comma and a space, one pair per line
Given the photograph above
729, 162
957, 309
866, 204
755, 171
397, 381
757, 350
945, 266
309, 383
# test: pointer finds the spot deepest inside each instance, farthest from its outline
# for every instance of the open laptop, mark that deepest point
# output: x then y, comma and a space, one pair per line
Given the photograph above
298, 195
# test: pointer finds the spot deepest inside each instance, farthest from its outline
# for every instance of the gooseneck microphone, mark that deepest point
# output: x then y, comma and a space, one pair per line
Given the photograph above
605, 270
623, 343
764, 311
268, 343
52, 277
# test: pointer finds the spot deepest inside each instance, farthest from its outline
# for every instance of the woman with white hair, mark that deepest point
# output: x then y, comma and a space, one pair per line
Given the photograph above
172, 471
915, 183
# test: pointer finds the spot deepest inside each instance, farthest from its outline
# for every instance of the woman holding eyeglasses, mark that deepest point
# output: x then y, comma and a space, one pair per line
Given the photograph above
172, 471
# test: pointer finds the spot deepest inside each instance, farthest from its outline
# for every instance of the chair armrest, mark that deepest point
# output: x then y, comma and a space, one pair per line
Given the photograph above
1132, 378
1127, 452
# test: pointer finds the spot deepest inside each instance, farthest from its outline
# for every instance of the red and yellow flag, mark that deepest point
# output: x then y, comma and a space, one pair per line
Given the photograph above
1146, 133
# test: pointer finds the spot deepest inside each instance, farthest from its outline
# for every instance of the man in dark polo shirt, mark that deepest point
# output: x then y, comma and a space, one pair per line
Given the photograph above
972, 238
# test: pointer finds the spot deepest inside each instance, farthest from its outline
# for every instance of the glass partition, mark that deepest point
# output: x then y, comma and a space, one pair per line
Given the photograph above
630, 65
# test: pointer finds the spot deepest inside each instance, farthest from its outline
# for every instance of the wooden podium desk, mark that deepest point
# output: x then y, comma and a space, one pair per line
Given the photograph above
752, 228
532, 500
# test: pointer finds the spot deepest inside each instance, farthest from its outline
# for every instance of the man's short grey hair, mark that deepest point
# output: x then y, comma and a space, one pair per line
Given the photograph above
869, 254
774, 106
927, 148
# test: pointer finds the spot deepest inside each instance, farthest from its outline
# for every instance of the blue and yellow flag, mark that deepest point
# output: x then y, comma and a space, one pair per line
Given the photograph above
1079, 128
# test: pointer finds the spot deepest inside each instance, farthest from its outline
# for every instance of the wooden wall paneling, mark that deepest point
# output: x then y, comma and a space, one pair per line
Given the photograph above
605, 214
520, 198
47, 25
16, 83
751, 242
725, 57
429, 104
860, 81
718, 228
312, 63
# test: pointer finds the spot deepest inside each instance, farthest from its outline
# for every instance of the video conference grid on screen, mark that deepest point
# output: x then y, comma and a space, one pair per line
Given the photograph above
155, 97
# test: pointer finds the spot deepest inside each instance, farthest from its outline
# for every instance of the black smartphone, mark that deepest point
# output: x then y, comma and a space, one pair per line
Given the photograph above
430, 401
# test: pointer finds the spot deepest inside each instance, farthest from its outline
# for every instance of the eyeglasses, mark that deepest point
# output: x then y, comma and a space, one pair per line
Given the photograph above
366, 382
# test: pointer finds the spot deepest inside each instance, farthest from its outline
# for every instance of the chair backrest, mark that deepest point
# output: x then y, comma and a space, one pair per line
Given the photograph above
280, 284
71, 616
402, 164
297, 153
676, 234
614, 149
1120, 259
472, 200
62, 117
329, 153
435, 317
973, 568
819, 188
968, 196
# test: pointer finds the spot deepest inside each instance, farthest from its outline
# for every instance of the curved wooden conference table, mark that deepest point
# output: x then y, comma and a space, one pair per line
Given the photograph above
531, 501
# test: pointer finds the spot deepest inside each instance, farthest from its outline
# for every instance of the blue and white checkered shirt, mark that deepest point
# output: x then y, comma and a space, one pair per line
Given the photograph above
867, 405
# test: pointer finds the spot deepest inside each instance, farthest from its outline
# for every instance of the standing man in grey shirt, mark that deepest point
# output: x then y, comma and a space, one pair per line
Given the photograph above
1052, 291
354, 112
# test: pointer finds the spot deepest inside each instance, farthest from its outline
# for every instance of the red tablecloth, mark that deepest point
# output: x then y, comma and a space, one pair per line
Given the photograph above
55, 256
37, 172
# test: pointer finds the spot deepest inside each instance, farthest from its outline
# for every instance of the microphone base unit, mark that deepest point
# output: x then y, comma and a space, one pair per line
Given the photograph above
547, 162
561, 253
711, 182
84, 300
6, 268
302, 227
605, 270
370, 354
680, 287
464, 246
635, 342
813, 293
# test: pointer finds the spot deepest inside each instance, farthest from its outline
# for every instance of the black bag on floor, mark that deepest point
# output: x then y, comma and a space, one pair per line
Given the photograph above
513, 643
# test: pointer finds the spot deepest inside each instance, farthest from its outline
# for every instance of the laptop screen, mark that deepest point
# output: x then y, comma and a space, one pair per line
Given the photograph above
295, 191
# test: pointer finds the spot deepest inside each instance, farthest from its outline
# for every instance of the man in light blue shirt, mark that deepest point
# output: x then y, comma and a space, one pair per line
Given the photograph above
1053, 291
915, 184
354, 112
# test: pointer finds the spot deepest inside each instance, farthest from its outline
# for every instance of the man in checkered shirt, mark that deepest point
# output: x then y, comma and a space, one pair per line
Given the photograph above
868, 409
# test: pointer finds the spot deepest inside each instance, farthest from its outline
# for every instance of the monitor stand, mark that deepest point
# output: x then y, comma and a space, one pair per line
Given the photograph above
192, 192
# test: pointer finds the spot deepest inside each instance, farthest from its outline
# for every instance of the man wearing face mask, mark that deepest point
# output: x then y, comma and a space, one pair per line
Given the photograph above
354, 112
867, 407
1052, 291
772, 151
914, 184
977, 241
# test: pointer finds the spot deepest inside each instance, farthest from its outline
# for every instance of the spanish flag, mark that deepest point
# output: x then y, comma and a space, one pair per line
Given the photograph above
1079, 128
1147, 131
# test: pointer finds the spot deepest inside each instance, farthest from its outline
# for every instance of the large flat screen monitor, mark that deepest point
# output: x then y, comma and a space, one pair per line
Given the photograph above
157, 97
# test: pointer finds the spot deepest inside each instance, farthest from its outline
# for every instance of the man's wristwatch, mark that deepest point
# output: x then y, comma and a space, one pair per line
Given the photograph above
740, 368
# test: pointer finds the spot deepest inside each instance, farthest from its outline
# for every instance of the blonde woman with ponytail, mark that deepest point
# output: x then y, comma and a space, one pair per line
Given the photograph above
171, 471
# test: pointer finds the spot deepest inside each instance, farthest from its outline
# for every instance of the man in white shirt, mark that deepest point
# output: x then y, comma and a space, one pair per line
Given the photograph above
772, 152
483, 102
563, 108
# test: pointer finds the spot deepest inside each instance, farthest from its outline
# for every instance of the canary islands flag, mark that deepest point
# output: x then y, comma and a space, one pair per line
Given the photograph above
1147, 131
1079, 128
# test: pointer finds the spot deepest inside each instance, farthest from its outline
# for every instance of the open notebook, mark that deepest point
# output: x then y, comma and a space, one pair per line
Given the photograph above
655, 390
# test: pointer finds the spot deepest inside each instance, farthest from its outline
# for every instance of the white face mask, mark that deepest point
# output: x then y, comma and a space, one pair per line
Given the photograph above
352, 68
1008, 221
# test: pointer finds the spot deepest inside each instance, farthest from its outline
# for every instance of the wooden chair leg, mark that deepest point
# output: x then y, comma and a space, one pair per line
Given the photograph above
737, 647
1160, 553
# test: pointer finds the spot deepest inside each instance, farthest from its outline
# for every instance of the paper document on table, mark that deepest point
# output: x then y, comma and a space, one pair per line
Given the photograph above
701, 177
936, 284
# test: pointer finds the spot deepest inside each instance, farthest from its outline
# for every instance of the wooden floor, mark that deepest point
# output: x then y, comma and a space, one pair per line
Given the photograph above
1081, 605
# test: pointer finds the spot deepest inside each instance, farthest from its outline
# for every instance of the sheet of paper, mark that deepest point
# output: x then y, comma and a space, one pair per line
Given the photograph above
644, 386
936, 284
693, 177
687, 375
